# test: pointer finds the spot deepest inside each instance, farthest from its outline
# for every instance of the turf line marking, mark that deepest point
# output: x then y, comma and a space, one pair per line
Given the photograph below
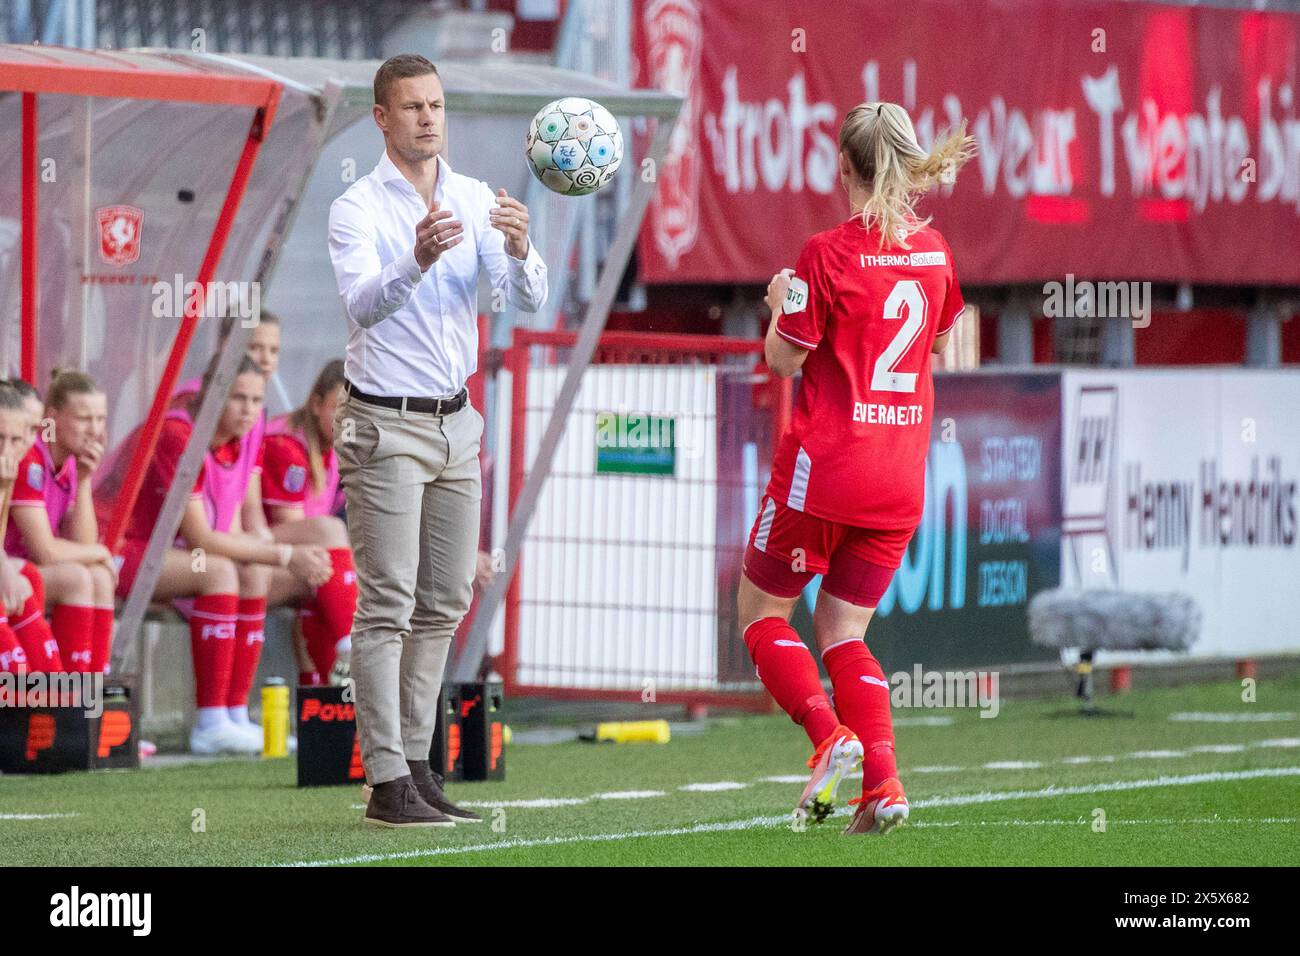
1168, 821
935, 721
1218, 776
712, 787
1232, 717
754, 823
750, 824
628, 795
1012, 765
37, 816
539, 803
939, 769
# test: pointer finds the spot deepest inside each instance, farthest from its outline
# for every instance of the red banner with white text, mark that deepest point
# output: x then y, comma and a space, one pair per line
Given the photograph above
1116, 140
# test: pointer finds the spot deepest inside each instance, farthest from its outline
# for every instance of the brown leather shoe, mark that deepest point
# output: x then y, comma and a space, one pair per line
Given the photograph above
397, 803
429, 784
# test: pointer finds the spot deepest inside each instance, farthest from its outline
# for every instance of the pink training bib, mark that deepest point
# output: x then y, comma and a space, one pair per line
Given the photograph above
58, 487
323, 502
224, 486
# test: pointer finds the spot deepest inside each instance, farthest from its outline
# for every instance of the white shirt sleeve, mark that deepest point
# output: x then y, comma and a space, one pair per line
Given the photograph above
522, 280
371, 291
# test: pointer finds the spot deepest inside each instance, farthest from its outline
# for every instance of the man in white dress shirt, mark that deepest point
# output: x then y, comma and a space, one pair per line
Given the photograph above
407, 242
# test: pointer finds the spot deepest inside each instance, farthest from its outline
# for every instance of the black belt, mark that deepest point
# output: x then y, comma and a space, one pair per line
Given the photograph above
430, 406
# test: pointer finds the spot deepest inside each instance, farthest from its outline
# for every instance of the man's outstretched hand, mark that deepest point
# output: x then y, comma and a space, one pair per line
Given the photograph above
511, 217
435, 234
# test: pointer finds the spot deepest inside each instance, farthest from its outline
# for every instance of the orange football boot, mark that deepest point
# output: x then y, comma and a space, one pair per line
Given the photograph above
837, 756
879, 810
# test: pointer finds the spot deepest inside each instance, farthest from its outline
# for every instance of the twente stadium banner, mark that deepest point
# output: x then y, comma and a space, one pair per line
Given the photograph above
1116, 140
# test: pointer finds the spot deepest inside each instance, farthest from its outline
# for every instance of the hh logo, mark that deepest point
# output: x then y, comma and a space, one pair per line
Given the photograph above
313, 709
119, 234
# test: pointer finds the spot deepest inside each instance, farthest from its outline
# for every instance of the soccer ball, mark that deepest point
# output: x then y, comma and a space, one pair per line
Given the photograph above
574, 146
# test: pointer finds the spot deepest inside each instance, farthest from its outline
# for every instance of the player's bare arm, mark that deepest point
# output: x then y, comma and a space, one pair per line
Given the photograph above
783, 357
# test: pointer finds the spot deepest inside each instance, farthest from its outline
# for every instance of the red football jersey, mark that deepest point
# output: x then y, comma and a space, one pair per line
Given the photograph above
286, 471
855, 450
172, 438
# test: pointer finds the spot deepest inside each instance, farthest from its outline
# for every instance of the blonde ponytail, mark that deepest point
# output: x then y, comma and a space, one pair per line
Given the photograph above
881, 145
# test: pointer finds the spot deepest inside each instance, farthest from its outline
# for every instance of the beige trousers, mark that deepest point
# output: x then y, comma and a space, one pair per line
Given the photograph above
413, 488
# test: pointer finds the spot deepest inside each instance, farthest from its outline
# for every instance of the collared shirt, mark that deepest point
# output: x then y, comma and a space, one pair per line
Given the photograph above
413, 333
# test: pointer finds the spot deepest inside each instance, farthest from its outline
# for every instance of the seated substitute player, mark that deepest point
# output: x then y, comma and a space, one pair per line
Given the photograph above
865, 306
325, 614
271, 572
230, 585
300, 495
26, 640
53, 522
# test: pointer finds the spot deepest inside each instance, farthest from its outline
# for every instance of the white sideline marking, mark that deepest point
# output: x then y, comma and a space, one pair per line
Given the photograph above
37, 816
1107, 758
1232, 716
1278, 742
713, 787
750, 824
1156, 754
784, 778
628, 795
540, 803
934, 770
754, 823
1218, 749
960, 800
1080, 822
1012, 765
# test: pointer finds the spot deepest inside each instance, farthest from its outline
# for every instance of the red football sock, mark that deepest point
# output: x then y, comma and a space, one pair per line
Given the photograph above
337, 598
862, 699
788, 671
101, 640
318, 636
212, 642
33, 631
250, 637
13, 660
72, 625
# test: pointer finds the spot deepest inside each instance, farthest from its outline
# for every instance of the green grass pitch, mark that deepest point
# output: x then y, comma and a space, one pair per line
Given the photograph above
1024, 788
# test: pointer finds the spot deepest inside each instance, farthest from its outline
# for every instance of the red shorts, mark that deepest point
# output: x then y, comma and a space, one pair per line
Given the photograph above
787, 548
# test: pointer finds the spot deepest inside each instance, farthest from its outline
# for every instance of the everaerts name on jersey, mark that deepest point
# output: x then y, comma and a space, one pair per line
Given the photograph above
875, 413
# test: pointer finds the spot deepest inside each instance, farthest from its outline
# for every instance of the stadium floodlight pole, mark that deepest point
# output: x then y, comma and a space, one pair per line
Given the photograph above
470, 659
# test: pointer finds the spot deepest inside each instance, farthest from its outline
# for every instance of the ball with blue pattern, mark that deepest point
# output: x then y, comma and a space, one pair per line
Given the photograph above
574, 146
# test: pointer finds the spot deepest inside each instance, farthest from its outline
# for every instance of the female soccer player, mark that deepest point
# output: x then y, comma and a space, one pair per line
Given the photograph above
53, 523
861, 312
26, 641
300, 494
230, 586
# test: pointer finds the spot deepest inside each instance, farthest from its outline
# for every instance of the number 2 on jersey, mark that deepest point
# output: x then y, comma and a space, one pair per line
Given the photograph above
885, 377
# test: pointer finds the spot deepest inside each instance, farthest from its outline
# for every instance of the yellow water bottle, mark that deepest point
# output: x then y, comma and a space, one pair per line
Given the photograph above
275, 718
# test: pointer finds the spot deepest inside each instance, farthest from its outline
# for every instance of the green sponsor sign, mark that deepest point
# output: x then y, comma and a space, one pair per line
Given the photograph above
635, 444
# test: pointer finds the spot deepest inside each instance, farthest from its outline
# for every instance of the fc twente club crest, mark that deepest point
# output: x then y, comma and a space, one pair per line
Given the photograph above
119, 234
